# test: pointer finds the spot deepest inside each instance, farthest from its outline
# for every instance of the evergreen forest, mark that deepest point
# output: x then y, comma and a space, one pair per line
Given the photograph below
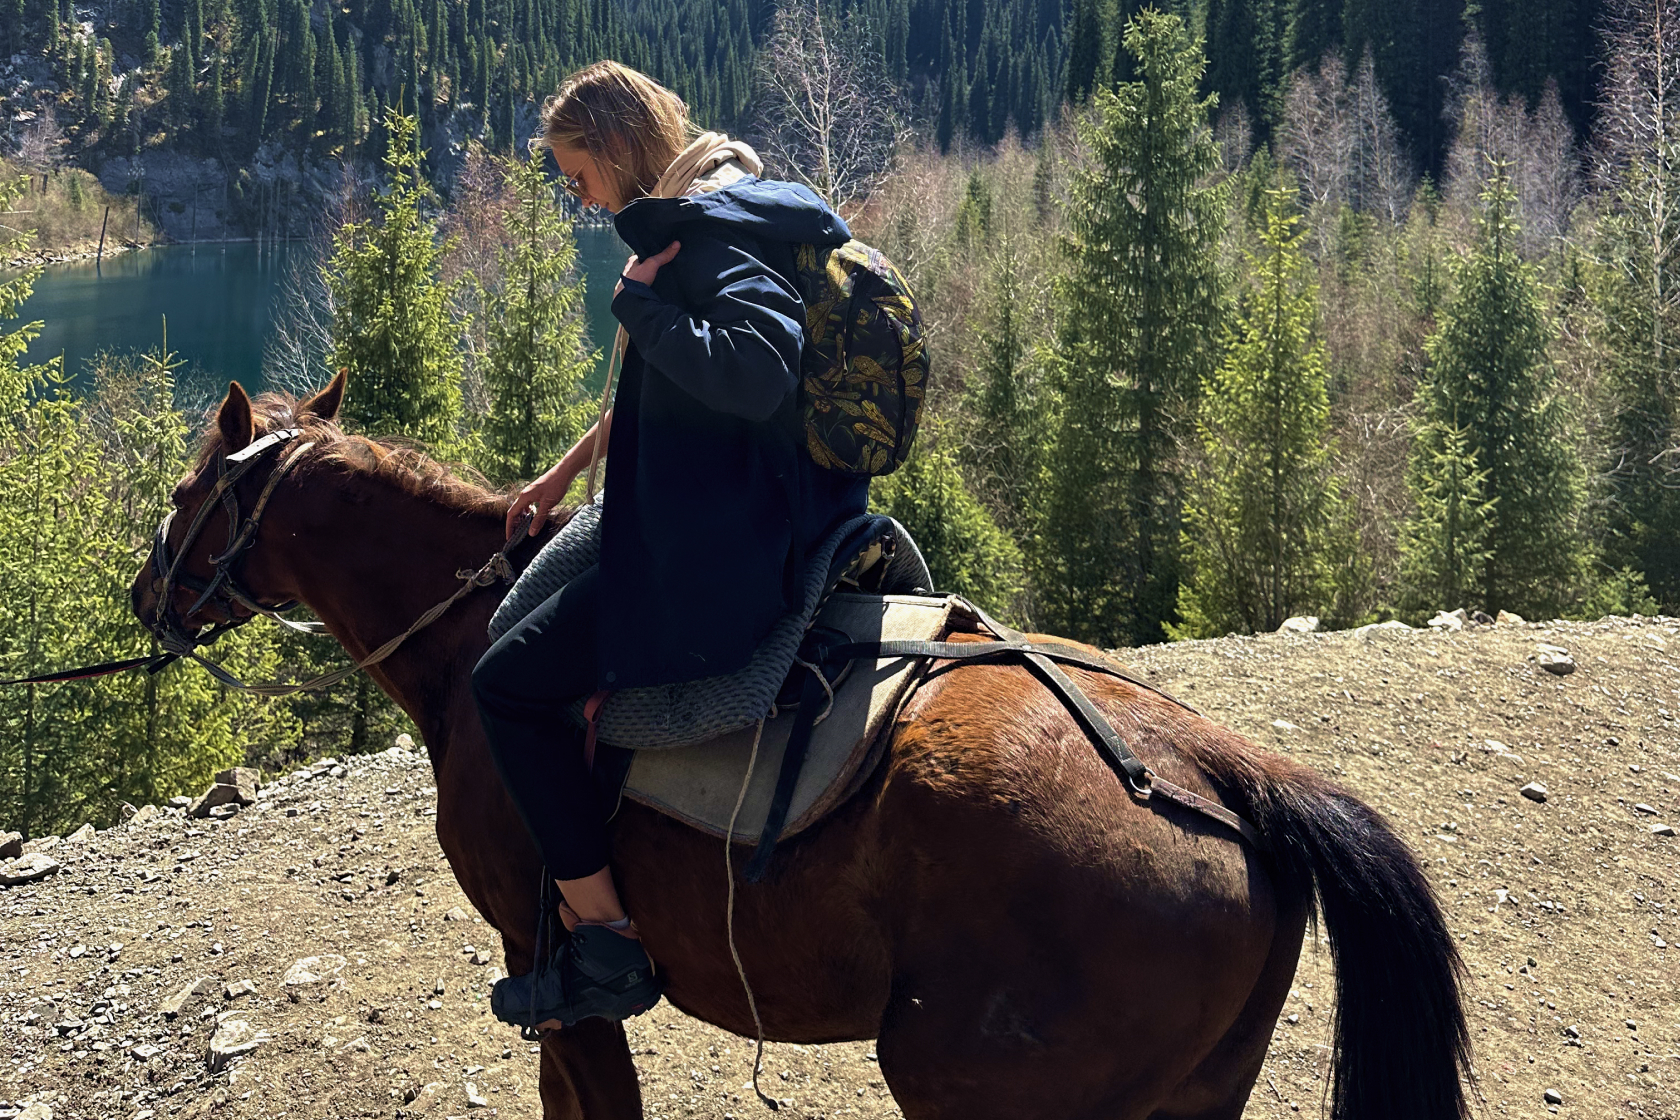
1240, 311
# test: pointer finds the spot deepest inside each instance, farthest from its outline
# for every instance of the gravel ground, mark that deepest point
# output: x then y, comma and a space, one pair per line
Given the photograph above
1564, 909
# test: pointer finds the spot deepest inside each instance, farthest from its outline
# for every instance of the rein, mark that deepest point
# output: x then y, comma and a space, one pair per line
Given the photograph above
225, 589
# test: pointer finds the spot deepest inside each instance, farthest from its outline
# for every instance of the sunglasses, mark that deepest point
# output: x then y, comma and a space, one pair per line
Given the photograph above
534, 146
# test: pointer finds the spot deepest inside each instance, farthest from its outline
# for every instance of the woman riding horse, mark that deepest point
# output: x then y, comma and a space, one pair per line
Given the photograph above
711, 505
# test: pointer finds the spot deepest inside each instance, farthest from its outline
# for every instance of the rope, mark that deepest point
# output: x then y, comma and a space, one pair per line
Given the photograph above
729, 918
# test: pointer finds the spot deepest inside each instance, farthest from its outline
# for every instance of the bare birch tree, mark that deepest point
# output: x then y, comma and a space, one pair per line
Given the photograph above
824, 111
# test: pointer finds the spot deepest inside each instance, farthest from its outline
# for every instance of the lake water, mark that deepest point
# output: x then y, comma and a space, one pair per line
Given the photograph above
221, 303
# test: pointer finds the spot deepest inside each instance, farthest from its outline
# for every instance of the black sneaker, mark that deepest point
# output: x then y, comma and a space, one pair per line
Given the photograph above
595, 973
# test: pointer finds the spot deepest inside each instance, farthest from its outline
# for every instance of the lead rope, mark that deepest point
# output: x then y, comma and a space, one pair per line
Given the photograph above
729, 920
620, 341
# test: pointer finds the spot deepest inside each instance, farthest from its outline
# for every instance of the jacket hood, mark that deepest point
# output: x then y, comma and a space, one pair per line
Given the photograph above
763, 208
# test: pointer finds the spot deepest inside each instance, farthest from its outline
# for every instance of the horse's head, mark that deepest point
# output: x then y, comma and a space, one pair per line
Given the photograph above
202, 571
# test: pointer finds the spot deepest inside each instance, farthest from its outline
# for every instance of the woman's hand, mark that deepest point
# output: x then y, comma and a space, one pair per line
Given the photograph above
544, 492
642, 271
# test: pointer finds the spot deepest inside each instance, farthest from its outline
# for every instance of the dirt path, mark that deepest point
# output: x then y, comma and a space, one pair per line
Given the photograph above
1564, 909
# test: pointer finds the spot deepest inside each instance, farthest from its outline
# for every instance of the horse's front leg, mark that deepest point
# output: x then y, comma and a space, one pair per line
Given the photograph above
587, 1074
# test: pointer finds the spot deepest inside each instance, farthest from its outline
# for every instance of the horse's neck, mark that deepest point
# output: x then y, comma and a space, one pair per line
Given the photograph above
379, 572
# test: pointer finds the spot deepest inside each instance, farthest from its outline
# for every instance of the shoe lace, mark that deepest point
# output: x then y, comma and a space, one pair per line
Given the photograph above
547, 901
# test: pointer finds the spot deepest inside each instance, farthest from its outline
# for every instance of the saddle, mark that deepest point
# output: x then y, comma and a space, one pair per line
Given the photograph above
862, 656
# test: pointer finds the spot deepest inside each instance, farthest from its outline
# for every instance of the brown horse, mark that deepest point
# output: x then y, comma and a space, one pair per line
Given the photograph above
1021, 936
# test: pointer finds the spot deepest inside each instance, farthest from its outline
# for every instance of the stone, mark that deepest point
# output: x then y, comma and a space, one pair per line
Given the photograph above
1662, 830
1552, 1096
1648, 810
127, 811
438, 986
179, 802
405, 741
1300, 624
1534, 791
1555, 660
172, 1006
238, 988
309, 971
234, 786
145, 1052
1369, 629
1481, 618
483, 955
11, 845
81, 836
1572, 1031
1448, 620
27, 869
233, 1037
143, 816
475, 1099
1508, 618
41, 844
36, 1111
455, 914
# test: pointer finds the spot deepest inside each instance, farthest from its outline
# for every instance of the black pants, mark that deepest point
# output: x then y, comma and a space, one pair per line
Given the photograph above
524, 684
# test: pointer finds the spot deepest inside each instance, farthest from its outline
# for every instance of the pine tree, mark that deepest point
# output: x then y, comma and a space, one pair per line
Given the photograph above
214, 107
392, 327
1007, 433
965, 550
537, 347
1139, 308
1491, 380
154, 27
1262, 509
1091, 39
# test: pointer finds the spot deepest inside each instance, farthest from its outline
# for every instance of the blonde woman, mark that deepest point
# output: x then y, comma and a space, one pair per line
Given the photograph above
711, 504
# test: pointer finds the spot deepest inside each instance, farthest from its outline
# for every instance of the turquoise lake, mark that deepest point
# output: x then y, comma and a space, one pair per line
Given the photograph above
221, 302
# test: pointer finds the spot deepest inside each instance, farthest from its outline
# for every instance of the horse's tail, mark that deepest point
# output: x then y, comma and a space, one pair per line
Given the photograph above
1400, 1035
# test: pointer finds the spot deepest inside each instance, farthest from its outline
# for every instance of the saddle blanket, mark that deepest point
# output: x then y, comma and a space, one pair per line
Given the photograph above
699, 784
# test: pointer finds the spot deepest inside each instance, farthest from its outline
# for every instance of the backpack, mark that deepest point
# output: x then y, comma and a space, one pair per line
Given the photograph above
865, 364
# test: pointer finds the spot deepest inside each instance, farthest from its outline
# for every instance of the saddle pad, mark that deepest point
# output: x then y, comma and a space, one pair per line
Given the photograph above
698, 784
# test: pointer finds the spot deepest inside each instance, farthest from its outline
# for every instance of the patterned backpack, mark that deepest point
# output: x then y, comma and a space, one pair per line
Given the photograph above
865, 363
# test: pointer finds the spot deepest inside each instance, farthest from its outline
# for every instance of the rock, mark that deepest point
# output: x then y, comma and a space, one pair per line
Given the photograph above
172, 1006
27, 869
143, 816
1448, 620
235, 786
1508, 618
1555, 660
309, 971
438, 986
179, 802
1300, 624
1552, 1096
1481, 618
1377, 627
127, 811
233, 1037
1662, 830
239, 988
1630, 1024
483, 955
41, 844
1648, 810
475, 1099
405, 741
1572, 1031
1534, 791
36, 1111
11, 845
145, 1052
81, 836
1284, 725
455, 914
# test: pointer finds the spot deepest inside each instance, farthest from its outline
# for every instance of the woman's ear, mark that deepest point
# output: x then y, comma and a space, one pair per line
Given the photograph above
325, 404
234, 421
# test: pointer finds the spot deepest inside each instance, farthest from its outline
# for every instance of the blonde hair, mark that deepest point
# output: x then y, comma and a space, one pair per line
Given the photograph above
631, 126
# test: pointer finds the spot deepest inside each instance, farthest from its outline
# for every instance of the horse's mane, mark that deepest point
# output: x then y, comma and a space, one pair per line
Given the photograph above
407, 467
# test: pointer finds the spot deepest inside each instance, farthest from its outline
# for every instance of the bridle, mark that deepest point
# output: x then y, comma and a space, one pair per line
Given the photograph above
224, 588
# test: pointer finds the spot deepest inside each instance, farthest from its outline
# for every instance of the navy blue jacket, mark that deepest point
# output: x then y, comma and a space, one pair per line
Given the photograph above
712, 503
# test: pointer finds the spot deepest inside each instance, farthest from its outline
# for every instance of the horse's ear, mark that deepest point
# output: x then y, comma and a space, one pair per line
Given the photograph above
324, 405
234, 420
